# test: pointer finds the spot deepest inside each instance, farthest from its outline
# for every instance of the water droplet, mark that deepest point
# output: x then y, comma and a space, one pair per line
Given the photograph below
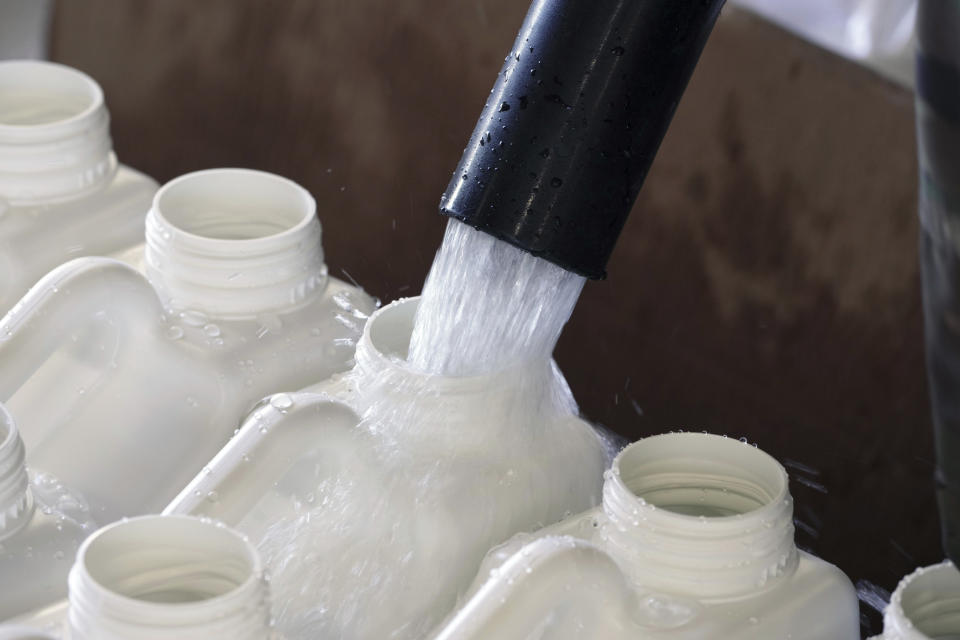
618, 51
193, 318
212, 496
555, 182
211, 330
281, 401
505, 106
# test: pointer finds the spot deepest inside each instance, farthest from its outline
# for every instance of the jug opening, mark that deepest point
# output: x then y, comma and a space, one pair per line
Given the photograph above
701, 475
234, 243
232, 204
189, 577
679, 496
180, 561
40, 93
389, 330
929, 602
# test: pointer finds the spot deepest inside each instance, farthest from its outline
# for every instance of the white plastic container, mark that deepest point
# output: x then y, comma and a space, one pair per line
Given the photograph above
925, 606
373, 497
125, 388
159, 577
21, 632
62, 192
41, 526
694, 540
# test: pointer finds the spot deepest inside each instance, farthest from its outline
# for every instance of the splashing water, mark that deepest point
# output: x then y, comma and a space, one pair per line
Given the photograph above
873, 595
470, 440
487, 304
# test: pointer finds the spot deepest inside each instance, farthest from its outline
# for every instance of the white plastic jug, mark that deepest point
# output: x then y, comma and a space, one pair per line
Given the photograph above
41, 526
62, 192
925, 606
159, 577
125, 388
694, 540
373, 497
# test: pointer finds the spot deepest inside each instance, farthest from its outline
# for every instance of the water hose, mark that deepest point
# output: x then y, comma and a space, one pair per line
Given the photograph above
573, 122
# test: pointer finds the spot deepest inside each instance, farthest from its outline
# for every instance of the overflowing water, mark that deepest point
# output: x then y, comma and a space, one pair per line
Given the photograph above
464, 439
487, 305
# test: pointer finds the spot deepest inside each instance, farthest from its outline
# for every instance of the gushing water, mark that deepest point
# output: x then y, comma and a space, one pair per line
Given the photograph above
468, 441
487, 305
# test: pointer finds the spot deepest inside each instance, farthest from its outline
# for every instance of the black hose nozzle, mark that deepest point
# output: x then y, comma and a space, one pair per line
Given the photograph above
573, 122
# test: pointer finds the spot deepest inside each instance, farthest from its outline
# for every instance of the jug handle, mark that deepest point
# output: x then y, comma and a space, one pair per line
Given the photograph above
549, 575
65, 300
271, 439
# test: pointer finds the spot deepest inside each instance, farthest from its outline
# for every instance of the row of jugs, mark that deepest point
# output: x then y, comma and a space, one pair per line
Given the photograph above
185, 350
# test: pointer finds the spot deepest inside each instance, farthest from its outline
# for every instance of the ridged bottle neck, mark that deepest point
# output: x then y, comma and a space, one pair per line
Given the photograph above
925, 605
167, 576
233, 244
699, 515
16, 504
54, 134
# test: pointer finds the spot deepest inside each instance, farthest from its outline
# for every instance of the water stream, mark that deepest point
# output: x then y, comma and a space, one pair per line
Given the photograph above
487, 305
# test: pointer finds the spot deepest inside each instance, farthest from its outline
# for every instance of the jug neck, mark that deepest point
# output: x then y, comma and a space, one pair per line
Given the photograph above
699, 515
16, 504
925, 605
54, 134
234, 244
186, 577
382, 371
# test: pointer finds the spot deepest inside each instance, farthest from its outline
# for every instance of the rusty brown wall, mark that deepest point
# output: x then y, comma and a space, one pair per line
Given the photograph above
765, 286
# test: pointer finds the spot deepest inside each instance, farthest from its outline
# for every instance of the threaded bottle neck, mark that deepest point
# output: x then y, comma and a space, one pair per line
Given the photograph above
54, 134
925, 605
699, 515
16, 504
181, 576
234, 243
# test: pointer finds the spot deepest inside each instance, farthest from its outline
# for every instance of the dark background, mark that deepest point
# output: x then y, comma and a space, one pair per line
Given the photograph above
766, 284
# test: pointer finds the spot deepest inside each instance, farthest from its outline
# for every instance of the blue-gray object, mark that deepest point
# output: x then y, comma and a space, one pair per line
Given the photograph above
938, 146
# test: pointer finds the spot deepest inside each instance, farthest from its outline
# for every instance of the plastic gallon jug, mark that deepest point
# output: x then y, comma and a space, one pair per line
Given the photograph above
62, 192
374, 497
925, 606
124, 388
694, 539
159, 577
41, 526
